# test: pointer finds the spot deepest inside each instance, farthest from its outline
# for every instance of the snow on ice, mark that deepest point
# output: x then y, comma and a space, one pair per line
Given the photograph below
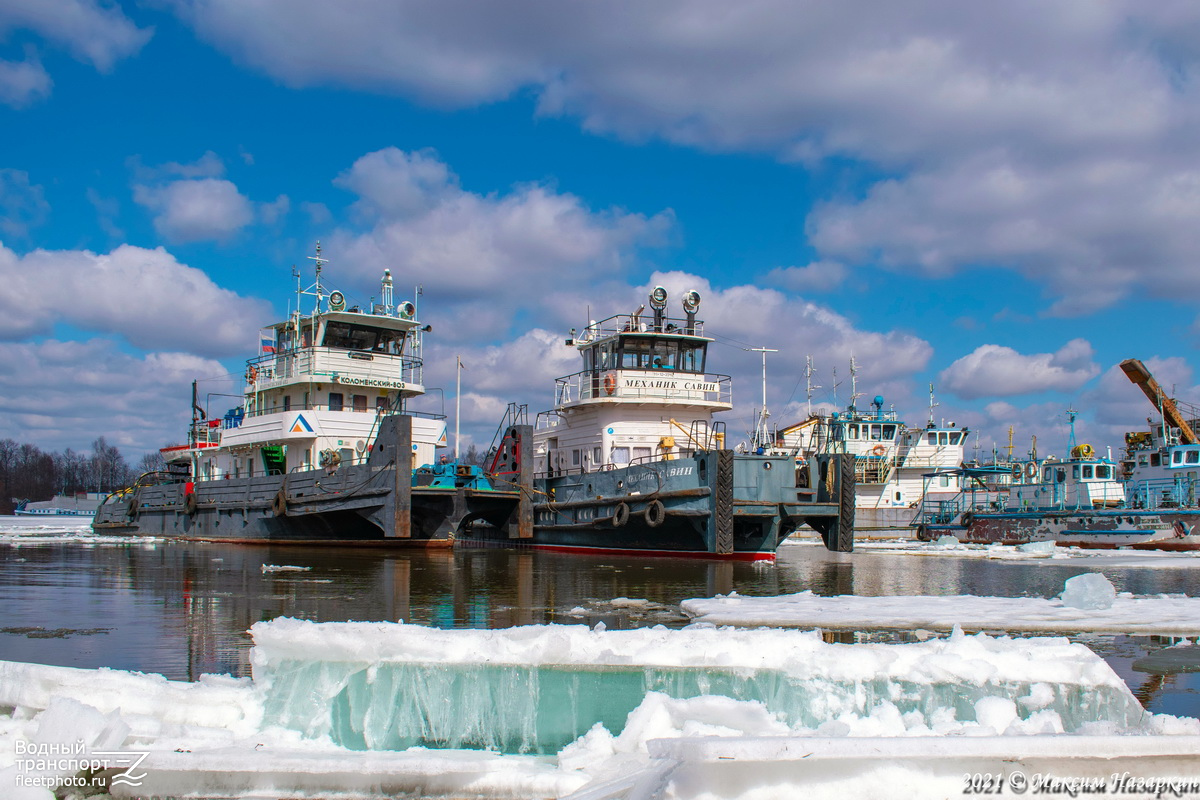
1081, 608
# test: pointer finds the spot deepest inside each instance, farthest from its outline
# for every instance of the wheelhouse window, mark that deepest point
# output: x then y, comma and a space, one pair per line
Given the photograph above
1193, 456
955, 438
1087, 472
889, 432
636, 352
1103, 472
1177, 457
345, 336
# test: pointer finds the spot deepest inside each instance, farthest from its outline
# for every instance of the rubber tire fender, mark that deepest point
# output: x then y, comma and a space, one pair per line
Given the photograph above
190, 504
279, 504
620, 515
655, 513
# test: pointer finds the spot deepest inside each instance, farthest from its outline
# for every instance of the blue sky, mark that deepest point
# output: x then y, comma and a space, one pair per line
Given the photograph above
1001, 201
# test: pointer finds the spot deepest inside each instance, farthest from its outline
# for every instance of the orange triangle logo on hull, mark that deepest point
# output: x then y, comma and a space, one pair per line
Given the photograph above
301, 425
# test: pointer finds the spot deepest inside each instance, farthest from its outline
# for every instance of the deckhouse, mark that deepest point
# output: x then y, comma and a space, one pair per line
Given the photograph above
643, 393
316, 392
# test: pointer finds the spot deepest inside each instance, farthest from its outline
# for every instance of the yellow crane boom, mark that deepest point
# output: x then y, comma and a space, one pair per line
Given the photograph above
1137, 373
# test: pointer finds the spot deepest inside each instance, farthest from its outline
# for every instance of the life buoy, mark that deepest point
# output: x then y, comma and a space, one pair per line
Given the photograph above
279, 504
1031, 469
1016, 470
610, 383
190, 504
620, 515
878, 451
655, 513
251, 375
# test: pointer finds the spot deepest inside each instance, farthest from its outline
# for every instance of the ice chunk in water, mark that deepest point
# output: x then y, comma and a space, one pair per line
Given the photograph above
947, 541
1088, 591
534, 689
1047, 546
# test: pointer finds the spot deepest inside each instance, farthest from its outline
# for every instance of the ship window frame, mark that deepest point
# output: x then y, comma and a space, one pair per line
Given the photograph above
339, 335
358, 402
852, 431
889, 432
1177, 457
932, 439
339, 405
1088, 472
692, 356
1155, 460
620, 455
876, 432
955, 438
1102, 472
1192, 457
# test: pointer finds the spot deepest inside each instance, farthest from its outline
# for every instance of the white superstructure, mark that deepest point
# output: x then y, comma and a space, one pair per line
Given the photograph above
642, 395
315, 394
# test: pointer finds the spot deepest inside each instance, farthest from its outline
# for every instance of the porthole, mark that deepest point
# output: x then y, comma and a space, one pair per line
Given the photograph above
766, 465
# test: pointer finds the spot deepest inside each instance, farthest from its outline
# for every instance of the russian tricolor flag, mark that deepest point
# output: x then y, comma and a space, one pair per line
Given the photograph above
267, 340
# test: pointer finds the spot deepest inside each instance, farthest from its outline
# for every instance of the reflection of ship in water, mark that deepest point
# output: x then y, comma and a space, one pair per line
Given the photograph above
211, 594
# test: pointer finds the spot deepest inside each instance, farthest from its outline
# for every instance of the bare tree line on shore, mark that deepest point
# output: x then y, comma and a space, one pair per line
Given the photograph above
29, 473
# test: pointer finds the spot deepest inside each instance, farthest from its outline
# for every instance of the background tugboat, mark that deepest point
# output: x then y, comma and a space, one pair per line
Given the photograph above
322, 448
1083, 502
891, 458
630, 459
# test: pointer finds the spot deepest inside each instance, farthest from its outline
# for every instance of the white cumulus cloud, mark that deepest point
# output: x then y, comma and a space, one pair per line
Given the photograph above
139, 403
530, 242
191, 210
93, 32
1057, 140
995, 371
145, 296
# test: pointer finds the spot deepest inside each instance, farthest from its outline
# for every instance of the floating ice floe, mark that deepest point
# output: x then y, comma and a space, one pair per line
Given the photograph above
1032, 551
1081, 608
23, 531
284, 568
362, 710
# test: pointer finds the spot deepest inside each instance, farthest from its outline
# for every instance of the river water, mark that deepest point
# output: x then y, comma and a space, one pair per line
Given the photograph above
183, 609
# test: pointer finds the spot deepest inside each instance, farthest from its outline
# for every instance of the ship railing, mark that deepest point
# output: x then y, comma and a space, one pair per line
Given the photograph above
656, 385
871, 469
638, 323
379, 411
1177, 492
274, 369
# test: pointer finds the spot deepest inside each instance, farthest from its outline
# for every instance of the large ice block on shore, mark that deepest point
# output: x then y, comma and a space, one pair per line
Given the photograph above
382, 686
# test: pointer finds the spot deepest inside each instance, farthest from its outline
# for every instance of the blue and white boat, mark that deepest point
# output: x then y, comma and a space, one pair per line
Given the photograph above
891, 459
80, 504
1081, 501
631, 460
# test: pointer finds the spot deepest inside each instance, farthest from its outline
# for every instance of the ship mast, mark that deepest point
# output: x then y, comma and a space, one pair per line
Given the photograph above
933, 405
761, 438
809, 371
